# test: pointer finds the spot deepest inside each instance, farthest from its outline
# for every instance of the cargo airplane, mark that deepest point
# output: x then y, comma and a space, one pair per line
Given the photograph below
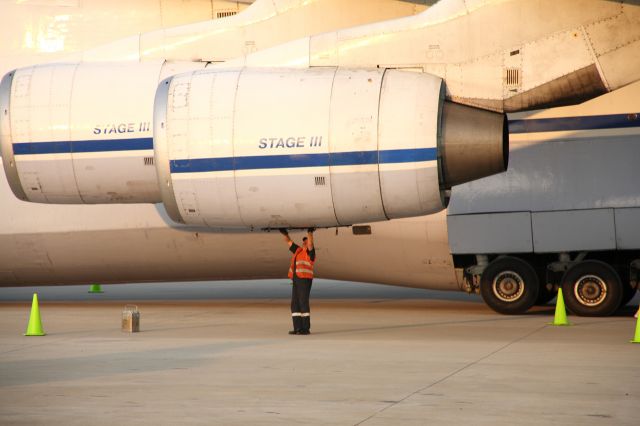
188, 144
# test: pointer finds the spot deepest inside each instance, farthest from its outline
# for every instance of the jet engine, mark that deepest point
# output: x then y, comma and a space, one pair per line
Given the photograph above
244, 148
78, 133
269, 148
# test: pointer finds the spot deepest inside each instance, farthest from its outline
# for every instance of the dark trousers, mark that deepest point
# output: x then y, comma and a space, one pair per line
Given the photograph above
300, 311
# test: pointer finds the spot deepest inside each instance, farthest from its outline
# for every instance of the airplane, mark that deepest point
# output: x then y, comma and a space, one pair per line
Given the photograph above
124, 243
130, 69
44, 31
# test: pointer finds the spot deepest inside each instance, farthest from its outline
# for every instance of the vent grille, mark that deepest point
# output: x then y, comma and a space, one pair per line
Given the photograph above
148, 161
320, 180
512, 77
361, 230
226, 14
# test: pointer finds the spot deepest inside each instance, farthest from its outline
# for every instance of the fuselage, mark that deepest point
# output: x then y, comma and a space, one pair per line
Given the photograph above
62, 244
68, 244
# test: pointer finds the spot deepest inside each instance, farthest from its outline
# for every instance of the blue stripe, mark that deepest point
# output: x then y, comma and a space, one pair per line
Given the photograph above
302, 160
408, 155
67, 147
591, 122
357, 158
594, 122
41, 148
201, 165
279, 161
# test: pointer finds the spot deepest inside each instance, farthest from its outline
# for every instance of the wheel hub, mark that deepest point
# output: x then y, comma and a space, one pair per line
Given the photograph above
590, 290
508, 286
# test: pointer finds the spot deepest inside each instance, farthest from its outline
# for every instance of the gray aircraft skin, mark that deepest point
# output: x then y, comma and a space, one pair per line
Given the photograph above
54, 244
572, 187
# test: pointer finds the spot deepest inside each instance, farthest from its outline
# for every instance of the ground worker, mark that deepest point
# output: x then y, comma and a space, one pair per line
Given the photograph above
301, 273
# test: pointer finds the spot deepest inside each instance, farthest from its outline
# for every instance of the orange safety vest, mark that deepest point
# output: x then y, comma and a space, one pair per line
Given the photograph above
303, 264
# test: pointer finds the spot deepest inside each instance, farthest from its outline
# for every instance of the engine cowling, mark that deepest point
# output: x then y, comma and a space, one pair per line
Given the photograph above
259, 148
269, 148
80, 133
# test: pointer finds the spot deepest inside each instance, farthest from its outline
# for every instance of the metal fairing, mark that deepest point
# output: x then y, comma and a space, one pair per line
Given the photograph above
75, 141
6, 142
567, 52
338, 147
572, 184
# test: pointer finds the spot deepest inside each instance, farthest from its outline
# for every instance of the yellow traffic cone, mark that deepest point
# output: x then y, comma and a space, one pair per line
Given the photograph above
560, 317
636, 338
35, 324
95, 288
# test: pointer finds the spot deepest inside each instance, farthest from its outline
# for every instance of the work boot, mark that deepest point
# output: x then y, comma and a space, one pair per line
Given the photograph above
306, 323
304, 332
297, 324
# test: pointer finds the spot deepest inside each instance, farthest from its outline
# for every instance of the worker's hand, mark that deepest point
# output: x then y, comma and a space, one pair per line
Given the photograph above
311, 230
283, 231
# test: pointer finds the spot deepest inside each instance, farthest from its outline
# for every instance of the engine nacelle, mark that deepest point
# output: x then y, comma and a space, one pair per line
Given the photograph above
81, 132
269, 148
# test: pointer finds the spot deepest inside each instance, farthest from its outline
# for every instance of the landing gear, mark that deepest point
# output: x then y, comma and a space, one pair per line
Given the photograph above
628, 290
509, 285
628, 294
592, 288
547, 290
545, 295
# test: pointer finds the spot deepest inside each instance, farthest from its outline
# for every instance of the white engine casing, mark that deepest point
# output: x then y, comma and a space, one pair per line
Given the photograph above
67, 140
270, 148
243, 148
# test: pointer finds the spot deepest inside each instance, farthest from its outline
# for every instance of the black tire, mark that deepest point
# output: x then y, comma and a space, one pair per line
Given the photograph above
592, 289
509, 285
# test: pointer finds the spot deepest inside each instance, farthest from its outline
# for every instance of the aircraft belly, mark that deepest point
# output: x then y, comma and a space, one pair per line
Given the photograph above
134, 255
403, 253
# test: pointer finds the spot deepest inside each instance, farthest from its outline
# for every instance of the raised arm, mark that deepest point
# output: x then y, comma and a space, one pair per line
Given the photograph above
310, 236
287, 240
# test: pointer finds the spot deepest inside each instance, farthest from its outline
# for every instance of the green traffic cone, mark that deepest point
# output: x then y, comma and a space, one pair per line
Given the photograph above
35, 325
95, 288
636, 338
560, 317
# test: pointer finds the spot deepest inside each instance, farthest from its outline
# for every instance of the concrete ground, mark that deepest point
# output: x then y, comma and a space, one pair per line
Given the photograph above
218, 353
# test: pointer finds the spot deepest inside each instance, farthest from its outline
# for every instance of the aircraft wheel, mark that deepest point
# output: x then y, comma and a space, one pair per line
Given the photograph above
592, 289
509, 285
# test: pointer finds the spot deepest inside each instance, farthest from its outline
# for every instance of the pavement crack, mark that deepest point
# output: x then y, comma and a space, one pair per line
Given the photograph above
454, 373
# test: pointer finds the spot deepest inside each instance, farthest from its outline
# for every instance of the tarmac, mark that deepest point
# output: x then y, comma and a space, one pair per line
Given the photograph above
219, 353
